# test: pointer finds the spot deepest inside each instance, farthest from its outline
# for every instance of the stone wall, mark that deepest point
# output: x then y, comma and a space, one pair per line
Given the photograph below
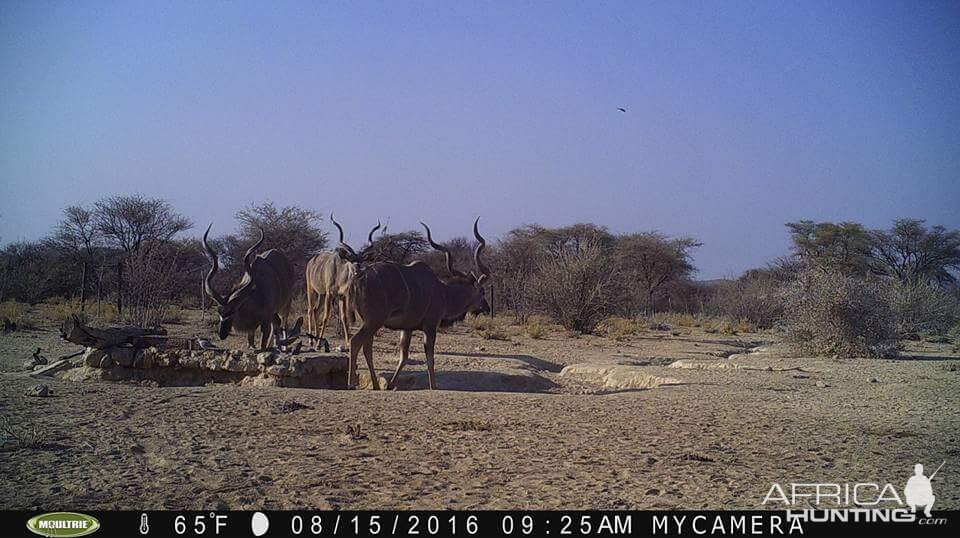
173, 367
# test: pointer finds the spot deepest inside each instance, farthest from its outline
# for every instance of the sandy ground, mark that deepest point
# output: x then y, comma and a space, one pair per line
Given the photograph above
718, 440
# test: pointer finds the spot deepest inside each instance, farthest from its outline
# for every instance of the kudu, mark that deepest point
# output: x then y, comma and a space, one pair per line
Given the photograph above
328, 278
411, 298
260, 300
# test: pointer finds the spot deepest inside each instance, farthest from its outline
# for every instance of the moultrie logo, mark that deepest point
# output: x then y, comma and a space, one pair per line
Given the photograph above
63, 524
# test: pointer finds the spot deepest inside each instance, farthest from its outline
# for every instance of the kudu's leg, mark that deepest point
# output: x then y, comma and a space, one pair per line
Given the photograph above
276, 330
326, 316
404, 354
428, 346
250, 336
368, 354
356, 344
342, 302
310, 325
265, 333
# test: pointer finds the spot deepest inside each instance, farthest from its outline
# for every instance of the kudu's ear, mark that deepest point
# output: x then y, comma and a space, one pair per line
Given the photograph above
344, 254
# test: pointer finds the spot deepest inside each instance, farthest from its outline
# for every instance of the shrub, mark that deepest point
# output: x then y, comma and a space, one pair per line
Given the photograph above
829, 313
577, 288
757, 299
620, 329
921, 308
727, 326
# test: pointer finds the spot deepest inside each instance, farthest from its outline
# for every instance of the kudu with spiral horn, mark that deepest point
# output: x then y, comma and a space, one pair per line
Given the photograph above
411, 298
329, 276
262, 297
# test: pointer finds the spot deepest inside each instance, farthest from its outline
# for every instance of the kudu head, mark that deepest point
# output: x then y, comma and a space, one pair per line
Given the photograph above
476, 297
346, 252
227, 307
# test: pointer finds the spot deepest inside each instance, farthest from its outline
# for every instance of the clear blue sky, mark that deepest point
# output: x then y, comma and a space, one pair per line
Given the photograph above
741, 115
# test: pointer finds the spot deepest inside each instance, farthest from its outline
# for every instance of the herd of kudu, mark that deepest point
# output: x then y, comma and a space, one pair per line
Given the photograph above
404, 298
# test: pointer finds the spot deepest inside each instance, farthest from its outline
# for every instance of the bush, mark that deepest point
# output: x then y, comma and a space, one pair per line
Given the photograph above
577, 288
728, 326
538, 326
620, 329
923, 309
756, 299
18, 313
829, 313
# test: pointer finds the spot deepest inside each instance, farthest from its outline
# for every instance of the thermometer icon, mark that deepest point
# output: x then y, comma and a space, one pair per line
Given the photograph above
144, 527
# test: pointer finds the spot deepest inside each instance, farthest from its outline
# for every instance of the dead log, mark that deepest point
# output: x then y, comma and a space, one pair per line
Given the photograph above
74, 330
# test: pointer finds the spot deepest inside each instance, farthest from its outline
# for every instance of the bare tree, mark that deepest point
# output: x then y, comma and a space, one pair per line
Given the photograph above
77, 236
136, 224
516, 261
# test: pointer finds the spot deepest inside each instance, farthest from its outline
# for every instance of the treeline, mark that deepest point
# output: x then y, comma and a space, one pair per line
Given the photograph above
849, 291
843, 289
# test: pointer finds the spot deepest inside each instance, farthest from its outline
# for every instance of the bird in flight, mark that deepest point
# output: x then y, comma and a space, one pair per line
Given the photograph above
621, 109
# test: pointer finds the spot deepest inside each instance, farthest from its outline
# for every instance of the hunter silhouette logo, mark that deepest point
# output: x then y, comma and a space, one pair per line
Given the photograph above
918, 491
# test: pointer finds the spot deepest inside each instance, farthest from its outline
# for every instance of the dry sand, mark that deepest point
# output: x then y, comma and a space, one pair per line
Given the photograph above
525, 436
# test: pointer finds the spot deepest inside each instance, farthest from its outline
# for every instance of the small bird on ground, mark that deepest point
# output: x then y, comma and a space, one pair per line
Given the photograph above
206, 344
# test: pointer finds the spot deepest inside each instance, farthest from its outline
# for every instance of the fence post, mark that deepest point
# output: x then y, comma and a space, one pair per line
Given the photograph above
493, 312
119, 289
83, 286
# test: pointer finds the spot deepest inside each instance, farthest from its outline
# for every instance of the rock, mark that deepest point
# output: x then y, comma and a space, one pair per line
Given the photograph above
619, 375
822, 385
342, 348
874, 380
266, 358
40, 390
56, 367
93, 356
261, 380
28, 365
692, 364
479, 348
148, 358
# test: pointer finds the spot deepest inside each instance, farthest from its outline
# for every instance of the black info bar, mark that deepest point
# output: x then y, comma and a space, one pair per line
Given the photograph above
457, 523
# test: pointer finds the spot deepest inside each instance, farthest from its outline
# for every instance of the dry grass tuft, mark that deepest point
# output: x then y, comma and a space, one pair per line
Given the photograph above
25, 436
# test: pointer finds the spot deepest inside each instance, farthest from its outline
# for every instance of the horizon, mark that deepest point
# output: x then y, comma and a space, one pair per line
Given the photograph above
739, 118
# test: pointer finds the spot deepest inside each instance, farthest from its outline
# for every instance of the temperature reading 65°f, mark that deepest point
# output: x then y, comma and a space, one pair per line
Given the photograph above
201, 522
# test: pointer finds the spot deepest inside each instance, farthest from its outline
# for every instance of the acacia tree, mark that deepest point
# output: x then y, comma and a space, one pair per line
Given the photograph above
401, 247
652, 260
912, 253
77, 236
843, 247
